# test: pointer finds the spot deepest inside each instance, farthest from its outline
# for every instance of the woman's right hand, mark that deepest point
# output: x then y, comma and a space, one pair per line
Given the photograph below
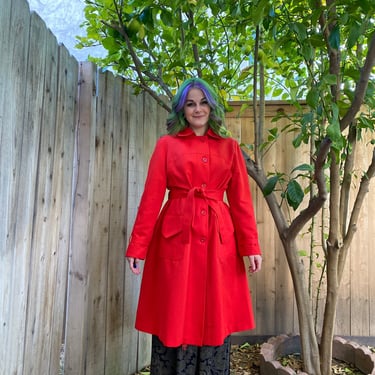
134, 265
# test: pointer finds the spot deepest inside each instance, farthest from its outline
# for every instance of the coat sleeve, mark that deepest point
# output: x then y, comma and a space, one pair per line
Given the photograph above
150, 204
241, 206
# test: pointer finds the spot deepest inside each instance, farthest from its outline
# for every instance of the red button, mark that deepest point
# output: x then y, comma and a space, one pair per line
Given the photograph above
203, 240
203, 212
205, 159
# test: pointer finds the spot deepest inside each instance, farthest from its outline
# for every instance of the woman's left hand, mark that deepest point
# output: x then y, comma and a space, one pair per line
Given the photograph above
255, 263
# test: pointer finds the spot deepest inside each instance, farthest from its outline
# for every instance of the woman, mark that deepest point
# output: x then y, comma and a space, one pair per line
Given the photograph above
194, 291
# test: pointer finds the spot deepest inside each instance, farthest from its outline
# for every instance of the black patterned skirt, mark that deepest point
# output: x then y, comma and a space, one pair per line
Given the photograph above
192, 360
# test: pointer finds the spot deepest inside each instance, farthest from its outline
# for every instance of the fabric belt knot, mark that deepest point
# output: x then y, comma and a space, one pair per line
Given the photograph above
210, 196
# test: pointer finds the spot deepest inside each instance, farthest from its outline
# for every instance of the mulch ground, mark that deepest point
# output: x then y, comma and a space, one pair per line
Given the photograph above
245, 360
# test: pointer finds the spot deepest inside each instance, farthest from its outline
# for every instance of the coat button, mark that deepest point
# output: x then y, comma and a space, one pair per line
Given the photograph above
203, 212
203, 240
205, 159
204, 186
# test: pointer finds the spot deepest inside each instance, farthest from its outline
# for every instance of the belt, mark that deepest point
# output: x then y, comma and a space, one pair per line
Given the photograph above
210, 196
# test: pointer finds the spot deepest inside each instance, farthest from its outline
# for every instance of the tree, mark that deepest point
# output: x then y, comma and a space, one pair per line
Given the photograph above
321, 52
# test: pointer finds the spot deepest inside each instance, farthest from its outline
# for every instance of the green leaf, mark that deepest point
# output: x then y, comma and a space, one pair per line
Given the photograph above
244, 106
334, 38
312, 97
300, 29
245, 345
297, 140
307, 51
354, 33
277, 91
334, 134
166, 17
330, 79
259, 11
304, 167
294, 194
110, 44
270, 185
146, 17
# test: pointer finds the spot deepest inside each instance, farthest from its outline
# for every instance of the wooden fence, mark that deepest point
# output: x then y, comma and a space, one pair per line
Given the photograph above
75, 144
74, 149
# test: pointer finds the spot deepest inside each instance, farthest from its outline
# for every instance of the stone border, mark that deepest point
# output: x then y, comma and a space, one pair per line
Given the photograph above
344, 350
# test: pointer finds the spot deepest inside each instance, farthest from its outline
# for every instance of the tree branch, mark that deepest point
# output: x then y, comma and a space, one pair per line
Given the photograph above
160, 82
261, 181
159, 77
138, 66
347, 179
361, 87
363, 190
315, 203
257, 135
334, 241
190, 15
334, 54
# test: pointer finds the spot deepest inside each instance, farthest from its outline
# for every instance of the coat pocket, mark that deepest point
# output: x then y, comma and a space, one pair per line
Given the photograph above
171, 226
170, 246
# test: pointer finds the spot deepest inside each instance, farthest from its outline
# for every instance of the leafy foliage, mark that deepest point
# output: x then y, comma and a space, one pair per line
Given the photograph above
157, 45
172, 40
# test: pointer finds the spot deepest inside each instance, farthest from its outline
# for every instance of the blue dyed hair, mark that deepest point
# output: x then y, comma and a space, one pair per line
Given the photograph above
176, 120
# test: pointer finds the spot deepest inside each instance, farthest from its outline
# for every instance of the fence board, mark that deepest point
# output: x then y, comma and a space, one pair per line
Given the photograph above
265, 303
136, 170
76, 309
6, 171
99, 225
41, 261
115, 350
371, 274
359, 293
18, 210
150, 110
360, 255
131, 284
65, 142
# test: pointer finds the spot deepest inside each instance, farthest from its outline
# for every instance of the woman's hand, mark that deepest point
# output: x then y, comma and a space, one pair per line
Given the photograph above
255, 263
134, 265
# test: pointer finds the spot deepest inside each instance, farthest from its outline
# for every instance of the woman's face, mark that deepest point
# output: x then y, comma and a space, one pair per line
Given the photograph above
197, 111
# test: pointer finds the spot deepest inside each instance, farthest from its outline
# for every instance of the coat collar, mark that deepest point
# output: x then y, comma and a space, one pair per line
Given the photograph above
189, 132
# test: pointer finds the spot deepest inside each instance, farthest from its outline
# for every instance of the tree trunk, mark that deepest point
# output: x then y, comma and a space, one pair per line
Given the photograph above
309, 342
329, 310
327, 333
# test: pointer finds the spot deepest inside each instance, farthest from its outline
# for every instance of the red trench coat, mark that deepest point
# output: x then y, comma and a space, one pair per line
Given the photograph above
194, 288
